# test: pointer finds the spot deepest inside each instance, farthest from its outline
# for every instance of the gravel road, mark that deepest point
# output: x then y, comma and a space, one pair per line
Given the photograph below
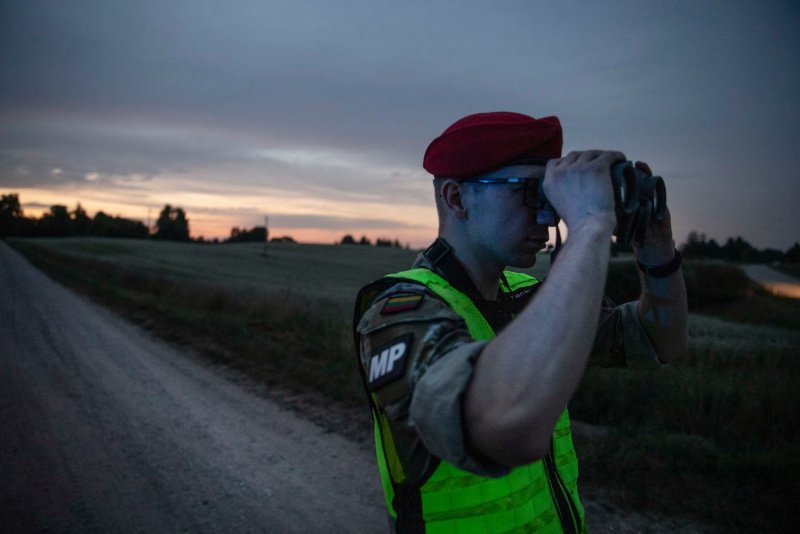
775, 281
104, 429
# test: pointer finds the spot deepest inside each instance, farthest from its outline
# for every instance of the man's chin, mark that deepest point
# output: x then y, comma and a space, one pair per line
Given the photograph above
524, 261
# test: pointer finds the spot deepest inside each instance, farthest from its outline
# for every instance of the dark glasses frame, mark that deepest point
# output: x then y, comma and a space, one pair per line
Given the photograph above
530, 196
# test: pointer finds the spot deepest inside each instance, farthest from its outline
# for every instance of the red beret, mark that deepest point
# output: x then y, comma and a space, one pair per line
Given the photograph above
485, 141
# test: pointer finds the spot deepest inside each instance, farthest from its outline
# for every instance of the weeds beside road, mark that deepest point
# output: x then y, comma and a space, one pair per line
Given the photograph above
716, 435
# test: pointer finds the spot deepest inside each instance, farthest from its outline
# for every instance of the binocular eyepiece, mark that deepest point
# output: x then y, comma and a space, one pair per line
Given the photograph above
638, 199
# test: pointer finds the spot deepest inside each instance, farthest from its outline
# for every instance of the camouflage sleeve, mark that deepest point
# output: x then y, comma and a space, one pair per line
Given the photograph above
621, 339
418, 357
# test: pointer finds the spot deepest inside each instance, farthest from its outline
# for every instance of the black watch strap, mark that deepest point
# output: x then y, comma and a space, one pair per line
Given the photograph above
660, 271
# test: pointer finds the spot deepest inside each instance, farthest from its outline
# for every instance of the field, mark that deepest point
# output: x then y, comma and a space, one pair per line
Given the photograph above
332, 273
716, 435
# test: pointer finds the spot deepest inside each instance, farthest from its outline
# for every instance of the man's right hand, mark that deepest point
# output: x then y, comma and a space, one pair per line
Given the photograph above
579, 187
525, 376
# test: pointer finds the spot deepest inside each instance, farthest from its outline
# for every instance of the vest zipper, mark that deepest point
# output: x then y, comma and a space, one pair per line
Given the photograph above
567, 514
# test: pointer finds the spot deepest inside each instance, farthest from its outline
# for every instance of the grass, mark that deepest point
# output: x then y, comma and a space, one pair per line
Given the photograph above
726, 420
715, 434
717, 289
318, 271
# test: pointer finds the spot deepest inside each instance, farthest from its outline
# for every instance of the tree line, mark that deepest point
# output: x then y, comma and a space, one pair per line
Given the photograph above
379, 242
172, 225
736, 250
61, 222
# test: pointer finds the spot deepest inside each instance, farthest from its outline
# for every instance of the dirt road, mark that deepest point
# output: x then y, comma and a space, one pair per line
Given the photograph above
777, 282
104, 429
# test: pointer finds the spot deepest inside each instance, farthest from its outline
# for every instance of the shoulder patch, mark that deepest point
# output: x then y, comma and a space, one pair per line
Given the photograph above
388, 363
402, 302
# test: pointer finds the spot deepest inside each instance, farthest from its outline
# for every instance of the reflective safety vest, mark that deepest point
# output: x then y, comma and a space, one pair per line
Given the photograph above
538, 497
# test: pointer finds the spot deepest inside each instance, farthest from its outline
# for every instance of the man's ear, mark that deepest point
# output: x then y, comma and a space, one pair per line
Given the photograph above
452, 193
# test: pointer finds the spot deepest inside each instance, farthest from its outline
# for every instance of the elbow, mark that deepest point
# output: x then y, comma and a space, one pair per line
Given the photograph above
527, 451
509, 441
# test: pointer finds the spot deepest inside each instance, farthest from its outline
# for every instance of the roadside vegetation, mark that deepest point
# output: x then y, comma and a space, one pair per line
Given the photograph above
716, 435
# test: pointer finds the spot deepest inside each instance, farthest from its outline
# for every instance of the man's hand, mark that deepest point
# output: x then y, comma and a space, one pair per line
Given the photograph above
579, 187
662, 303
658, 247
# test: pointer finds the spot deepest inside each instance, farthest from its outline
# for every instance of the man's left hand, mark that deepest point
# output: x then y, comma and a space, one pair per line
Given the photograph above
659, 247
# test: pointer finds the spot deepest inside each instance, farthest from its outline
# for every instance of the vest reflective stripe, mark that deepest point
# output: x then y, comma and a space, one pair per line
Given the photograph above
383, 469
454, 500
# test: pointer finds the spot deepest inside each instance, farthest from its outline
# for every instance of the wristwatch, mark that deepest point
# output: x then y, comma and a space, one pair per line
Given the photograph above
660, 271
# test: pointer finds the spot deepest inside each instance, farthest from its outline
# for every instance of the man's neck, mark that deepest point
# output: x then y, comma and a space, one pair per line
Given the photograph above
485, 275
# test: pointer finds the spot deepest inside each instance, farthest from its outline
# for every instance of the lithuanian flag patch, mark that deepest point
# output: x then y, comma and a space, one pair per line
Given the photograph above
401, 302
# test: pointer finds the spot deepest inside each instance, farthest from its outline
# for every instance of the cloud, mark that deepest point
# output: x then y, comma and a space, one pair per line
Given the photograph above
304, 220
35, 205
119, 155
82, 150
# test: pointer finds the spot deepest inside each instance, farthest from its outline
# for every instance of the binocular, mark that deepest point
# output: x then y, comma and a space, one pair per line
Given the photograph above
638, 199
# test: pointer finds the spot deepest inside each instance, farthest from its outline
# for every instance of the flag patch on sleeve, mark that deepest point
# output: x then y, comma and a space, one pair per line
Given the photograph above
401, 302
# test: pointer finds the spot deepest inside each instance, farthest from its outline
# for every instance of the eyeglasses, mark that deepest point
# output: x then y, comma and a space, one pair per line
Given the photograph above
530, 184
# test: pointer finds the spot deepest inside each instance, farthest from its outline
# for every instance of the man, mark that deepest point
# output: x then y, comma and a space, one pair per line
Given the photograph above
471, 428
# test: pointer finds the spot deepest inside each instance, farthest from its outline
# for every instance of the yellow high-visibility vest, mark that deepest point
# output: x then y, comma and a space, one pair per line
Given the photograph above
538, 497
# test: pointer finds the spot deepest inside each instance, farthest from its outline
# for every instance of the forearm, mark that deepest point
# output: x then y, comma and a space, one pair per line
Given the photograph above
663, 309
525, 377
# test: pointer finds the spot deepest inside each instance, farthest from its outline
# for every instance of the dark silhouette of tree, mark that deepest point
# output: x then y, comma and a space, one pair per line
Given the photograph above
696, 246
10, 214
379, 242
61, 222
770, 255
793, 254
739, 250
25, 227
172, 225
283, 239
735, 249
55, 223
80, 221
105, 226
256, 234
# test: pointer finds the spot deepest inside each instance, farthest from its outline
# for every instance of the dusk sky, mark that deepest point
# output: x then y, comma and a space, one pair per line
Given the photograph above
318, 113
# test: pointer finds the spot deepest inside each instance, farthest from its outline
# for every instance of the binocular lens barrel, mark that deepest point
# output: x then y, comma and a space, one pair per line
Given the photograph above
660, 199
638, 199
624, 181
